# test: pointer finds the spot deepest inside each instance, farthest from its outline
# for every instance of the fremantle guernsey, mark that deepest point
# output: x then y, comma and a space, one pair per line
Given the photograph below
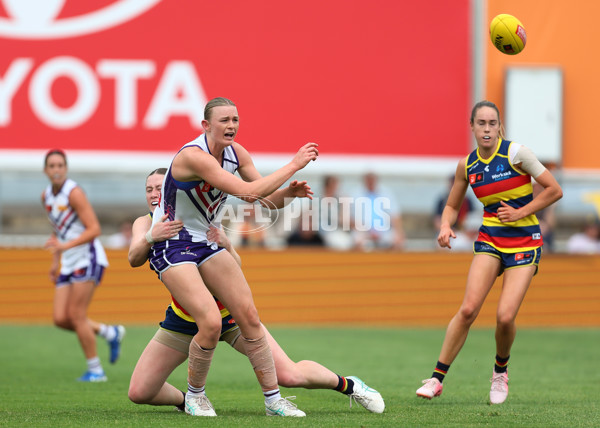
494, 180
67, 226
195, 203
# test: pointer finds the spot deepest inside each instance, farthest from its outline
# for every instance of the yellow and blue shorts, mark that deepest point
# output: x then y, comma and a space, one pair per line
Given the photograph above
510, 260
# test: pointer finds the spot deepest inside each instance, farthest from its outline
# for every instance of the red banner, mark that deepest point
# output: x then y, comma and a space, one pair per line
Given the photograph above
356, 76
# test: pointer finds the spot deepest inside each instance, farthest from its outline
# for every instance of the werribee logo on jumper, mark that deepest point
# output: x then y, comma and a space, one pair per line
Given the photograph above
37, 19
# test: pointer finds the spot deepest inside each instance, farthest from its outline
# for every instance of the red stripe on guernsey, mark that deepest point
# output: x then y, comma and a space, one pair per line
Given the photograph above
501, 186
216, 204
209, 206
202, 198
176, 303
220, 305
487, 214
512, 242
62, 223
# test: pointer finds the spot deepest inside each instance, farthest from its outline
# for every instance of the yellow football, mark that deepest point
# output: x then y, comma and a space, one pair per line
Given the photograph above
508, 34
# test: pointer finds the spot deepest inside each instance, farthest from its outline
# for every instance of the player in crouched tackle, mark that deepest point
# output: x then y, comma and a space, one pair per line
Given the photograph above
170, 345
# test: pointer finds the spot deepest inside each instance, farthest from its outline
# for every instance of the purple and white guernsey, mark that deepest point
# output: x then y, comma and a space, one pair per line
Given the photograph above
195, 203
67, 226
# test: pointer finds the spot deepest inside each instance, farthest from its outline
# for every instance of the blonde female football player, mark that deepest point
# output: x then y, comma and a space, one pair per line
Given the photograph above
170, 345
509, 242
78, 263
194, 269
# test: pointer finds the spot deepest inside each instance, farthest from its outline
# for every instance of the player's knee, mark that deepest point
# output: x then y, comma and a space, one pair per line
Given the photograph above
137, 395
62, 321
250, 317
76, 316
211, 325
289, 377
468, 313
213, 328
505, 319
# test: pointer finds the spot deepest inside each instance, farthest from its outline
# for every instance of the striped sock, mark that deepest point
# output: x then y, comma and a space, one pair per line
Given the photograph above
345, 386
440, 371
271, 396
501, 364
194, 392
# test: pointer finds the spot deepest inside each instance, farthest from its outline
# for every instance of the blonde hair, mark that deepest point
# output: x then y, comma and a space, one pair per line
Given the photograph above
216, 102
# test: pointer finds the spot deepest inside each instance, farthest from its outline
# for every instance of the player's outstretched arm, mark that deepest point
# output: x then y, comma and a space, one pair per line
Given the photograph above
192, 164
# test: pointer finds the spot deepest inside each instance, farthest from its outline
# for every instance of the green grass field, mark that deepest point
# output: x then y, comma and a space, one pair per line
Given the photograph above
554, 381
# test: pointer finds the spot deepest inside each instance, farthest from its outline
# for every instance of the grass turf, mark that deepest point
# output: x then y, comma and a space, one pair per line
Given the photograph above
553, 381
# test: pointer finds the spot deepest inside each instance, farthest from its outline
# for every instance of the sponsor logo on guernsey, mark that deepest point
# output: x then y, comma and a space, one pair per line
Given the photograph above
500, 168
487, 168
476, 178
474, 165
536, 236
501, 175
206, 187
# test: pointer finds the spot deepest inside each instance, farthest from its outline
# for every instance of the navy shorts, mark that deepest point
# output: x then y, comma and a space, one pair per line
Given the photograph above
175, 323
169, 253
510, 260
93, 272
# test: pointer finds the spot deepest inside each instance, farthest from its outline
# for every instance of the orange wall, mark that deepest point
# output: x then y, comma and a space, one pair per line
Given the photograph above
322, 288
558, 33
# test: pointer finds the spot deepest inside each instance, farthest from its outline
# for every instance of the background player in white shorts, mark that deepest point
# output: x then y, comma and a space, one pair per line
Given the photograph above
79, 254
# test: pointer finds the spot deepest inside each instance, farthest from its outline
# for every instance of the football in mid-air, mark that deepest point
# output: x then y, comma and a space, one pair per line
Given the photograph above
508, 34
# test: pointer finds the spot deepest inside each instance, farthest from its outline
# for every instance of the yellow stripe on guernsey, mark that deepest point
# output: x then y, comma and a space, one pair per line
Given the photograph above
183, 315
495, 180
527, 221
517, 192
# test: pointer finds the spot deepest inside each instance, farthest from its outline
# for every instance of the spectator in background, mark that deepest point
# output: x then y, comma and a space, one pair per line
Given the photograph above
335, 216
587, 241
306, 233
378, 222
465, 209
122, 238
467, 223
252, 235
